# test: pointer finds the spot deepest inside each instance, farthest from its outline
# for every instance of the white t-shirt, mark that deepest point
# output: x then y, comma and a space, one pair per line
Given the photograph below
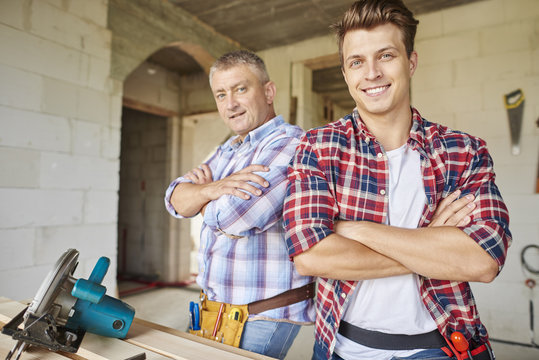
391, 305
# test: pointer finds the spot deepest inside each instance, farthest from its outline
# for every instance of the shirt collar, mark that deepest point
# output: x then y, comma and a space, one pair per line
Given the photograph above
417, 133
254, 136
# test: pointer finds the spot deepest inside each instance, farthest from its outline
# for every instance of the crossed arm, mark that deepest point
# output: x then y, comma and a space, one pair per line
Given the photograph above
188, 199
359, 250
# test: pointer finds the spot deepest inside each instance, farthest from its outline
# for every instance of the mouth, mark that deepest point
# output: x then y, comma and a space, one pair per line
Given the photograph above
235, 115
375, 91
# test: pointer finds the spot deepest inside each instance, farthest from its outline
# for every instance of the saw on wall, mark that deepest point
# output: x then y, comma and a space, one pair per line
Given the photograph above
514, 104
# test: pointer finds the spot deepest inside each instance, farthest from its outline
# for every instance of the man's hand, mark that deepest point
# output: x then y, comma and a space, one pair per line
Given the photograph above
230, 185
189, 199
453, 211
200, 175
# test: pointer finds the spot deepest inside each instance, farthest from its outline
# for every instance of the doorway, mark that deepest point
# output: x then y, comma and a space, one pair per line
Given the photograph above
142, 218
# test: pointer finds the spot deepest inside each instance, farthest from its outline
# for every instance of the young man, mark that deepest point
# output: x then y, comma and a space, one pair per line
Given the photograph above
364, 208
240, 191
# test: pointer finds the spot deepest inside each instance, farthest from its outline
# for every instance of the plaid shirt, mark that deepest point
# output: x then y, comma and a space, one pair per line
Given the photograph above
255, 266
339, 173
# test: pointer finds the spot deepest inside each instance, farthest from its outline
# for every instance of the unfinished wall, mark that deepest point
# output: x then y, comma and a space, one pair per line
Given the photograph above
469, 57
59, 140
142, 218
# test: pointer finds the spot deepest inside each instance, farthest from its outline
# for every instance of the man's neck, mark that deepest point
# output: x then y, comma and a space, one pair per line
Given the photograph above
390, 130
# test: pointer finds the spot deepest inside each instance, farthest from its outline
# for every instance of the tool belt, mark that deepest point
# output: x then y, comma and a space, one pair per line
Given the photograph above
379, 340
224, 322
430, 340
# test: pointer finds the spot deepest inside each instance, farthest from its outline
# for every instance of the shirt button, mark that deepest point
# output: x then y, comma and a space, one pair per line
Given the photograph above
382, 192
380, 155
343, 295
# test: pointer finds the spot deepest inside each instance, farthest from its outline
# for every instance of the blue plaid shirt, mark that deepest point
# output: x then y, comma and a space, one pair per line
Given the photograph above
255, 266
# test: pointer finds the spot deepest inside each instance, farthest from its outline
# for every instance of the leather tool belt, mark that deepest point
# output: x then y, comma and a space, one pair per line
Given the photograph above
224, 322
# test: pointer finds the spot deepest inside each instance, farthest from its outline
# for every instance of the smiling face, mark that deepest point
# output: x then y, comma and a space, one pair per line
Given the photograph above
378, 72
244, 103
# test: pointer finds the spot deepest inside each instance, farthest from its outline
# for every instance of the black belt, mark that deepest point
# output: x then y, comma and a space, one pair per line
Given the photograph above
380, 340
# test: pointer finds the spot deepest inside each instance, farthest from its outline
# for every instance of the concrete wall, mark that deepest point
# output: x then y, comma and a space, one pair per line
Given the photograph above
153, 85
469, 57
59, 140
142, 218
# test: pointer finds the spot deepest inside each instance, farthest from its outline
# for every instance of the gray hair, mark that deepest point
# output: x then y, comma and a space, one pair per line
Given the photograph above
241, 57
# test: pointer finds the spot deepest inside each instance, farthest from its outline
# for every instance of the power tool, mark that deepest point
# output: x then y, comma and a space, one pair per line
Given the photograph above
65, 308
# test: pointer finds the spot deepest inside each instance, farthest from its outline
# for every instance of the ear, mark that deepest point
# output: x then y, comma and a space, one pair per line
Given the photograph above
413, 63
270, 91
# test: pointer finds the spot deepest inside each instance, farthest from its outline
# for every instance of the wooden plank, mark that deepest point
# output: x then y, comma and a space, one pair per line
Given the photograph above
148, 108
175, 347
141, 328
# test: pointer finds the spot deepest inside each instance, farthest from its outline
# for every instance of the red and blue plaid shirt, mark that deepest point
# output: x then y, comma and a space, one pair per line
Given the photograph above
339, 173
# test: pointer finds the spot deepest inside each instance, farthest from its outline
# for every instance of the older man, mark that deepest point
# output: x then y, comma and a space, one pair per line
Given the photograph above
240, 190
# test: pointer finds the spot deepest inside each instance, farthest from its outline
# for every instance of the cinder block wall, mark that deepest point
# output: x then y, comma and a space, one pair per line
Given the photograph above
469, 57
59, 140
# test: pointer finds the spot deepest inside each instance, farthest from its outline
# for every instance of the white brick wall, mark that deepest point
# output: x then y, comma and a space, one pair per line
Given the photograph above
469, 57
33, 130
59, 142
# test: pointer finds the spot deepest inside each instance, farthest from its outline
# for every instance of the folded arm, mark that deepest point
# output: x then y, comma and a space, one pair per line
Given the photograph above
343, 256
244, 217
188, 199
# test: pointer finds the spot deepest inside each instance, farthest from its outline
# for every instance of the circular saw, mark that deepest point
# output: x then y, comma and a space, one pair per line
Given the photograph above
65, 308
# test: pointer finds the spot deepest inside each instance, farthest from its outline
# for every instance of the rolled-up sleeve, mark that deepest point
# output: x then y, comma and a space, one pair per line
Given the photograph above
490, 221
309, 207
168, 193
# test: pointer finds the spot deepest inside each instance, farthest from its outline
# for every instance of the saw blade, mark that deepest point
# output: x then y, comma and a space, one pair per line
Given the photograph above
54, 283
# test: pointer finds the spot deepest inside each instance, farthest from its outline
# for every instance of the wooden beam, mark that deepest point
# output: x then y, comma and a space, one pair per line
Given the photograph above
147, 108
323, 62
140, 325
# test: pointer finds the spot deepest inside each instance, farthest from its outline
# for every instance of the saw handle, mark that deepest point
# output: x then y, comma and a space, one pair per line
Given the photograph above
100, 270
91, 290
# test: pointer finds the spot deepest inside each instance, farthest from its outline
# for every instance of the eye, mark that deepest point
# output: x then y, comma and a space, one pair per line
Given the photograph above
355, 63
220, 96
242, 89
387, 56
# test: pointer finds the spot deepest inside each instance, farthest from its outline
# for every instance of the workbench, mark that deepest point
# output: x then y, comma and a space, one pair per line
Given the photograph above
153, 340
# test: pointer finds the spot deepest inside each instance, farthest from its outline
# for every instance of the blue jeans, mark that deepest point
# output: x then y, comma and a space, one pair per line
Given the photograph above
319, 353
270, 338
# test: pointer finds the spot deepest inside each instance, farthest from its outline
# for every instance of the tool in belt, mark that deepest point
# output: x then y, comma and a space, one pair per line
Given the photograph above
224, 322
458, 346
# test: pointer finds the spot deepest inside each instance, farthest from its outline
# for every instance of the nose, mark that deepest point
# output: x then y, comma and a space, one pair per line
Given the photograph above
231, 102
373, 71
